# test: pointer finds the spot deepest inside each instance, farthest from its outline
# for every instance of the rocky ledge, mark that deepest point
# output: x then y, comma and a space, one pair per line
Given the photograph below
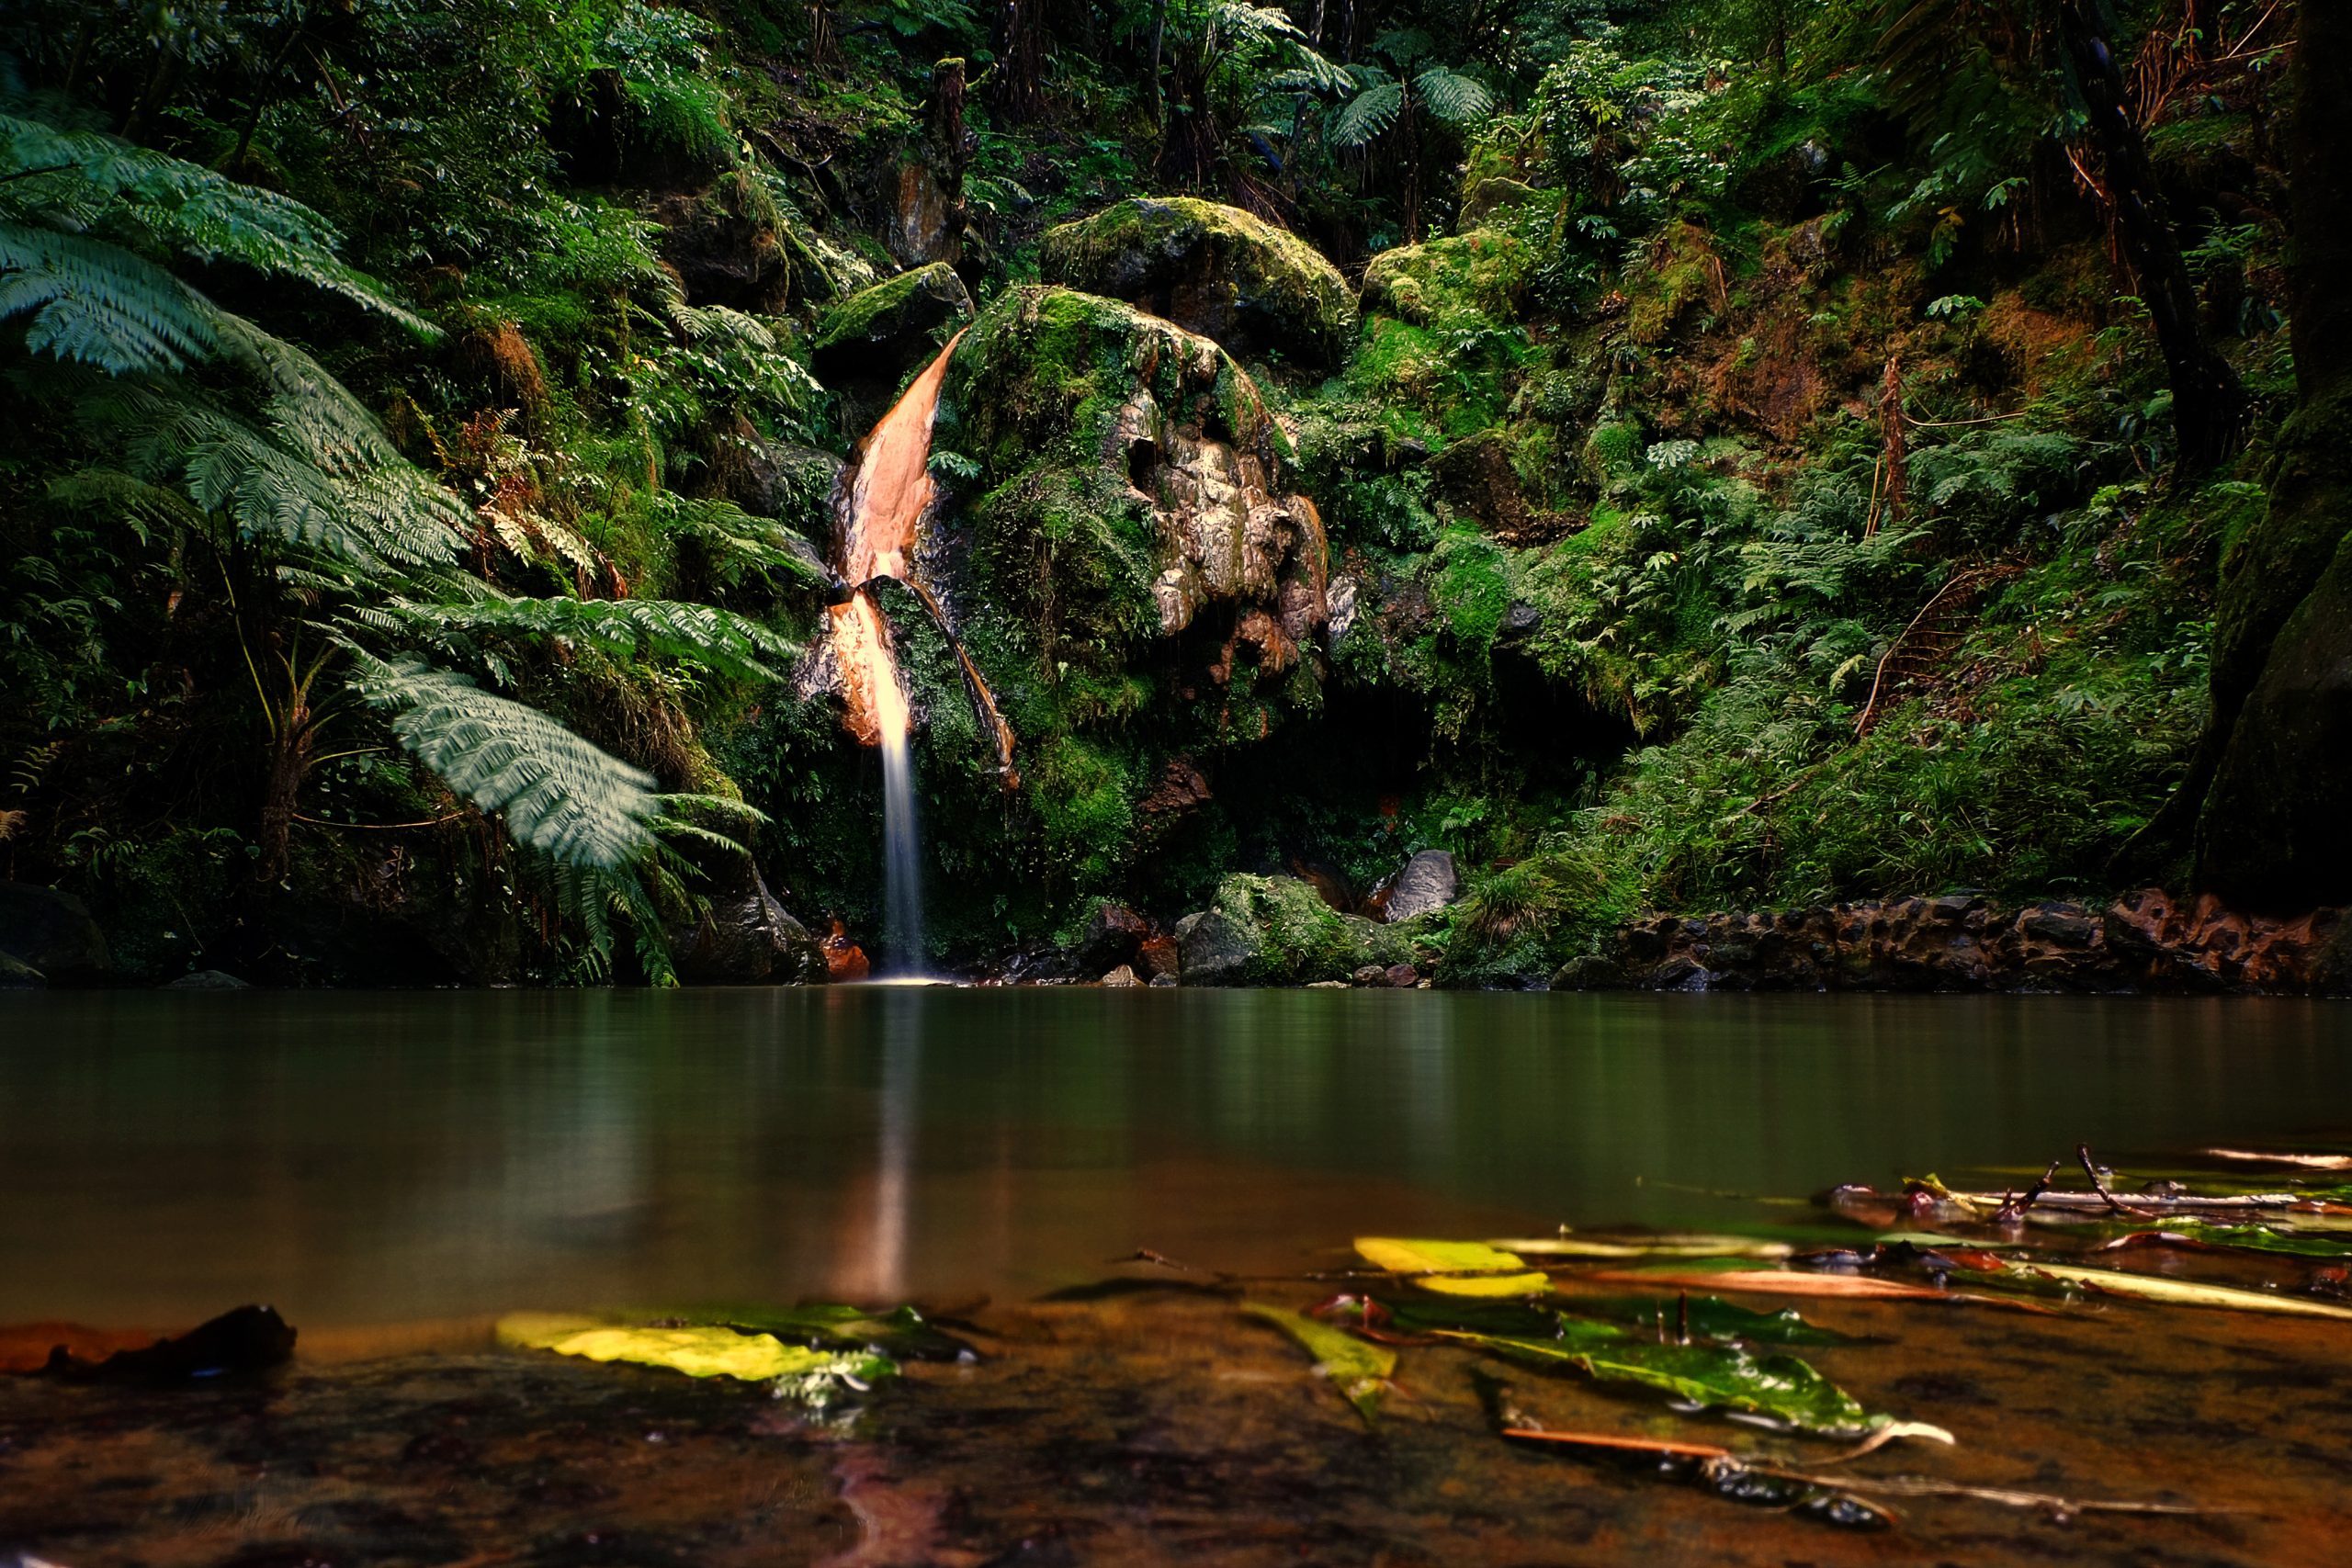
2144, 942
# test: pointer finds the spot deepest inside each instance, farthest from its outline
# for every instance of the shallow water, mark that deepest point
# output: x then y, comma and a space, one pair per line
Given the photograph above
392, 1169
378, 1157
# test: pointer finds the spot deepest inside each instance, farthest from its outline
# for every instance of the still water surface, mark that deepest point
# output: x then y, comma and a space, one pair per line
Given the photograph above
374, 1158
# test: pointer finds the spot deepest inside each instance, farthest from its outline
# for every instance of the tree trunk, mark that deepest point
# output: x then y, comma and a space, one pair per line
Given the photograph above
2209, 406
2276, 828
289, 760
1021, 90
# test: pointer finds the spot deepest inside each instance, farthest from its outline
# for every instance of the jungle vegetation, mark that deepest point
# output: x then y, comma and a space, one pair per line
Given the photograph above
1787, 450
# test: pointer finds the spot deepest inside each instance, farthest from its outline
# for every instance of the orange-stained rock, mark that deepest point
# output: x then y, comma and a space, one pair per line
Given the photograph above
845, 960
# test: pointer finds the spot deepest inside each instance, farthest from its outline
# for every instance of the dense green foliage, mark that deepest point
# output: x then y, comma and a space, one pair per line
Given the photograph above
1748, 475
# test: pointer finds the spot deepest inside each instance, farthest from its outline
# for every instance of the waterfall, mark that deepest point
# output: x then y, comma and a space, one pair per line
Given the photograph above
887, 499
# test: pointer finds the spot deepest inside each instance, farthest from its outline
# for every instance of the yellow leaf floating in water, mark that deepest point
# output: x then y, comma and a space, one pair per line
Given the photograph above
699, 1352
540, 1330
1453, 1268
2181, 1292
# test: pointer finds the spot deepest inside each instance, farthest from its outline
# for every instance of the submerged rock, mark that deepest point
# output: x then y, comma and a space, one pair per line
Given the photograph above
52, 933
206, 980
1214, 270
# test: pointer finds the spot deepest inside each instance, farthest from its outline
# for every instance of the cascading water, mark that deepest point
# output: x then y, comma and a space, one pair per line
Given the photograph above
886, 500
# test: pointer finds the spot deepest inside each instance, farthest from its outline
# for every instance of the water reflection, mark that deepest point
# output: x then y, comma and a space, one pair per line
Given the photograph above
873, 1265
366, 1158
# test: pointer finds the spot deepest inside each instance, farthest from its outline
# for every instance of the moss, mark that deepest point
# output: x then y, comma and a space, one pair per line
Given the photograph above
1216, 270
1295, 938
1472, 279
926, 300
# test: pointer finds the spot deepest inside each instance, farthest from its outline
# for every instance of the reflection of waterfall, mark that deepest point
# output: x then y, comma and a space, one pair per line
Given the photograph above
886, 500
873, 1265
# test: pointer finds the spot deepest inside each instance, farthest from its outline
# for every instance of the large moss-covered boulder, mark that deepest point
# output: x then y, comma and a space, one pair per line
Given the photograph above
1138, 464
1214, 270
1122, 550
1277, 930
877, 335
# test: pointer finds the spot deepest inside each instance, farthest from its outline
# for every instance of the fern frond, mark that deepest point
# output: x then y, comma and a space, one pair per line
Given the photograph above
1365, 116
149, 507
100, 189
560, 793
625, 628
1452, 96
98, 304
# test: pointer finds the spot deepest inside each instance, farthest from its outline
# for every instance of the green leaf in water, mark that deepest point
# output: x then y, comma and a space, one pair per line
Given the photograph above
1716, 1377
1359, 1370
2244, 1238
1711, 1317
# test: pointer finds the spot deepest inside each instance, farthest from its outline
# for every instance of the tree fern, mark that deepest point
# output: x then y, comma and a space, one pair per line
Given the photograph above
1452, 96
93, 186
1371, 112
98, 304
558, 793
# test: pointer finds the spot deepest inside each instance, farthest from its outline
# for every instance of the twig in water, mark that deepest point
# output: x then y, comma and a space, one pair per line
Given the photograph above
2012, 1209
2098, 1185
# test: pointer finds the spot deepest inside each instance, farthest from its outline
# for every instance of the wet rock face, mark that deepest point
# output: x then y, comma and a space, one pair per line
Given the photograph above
2146, 942
1140, 463
1214, 270
51, 934
746, 939
1114, 934
1226, 534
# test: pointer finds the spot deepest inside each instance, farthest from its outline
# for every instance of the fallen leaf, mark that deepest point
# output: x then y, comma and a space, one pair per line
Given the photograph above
1359, 1372
704, 1351
1713, 1376
1453, 1268
2183, 1292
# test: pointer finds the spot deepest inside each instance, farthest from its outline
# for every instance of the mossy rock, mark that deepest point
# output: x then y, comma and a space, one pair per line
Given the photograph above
1212, 269
1481, 199
878, 335
1277, 930
1448, 282
1126, 560
729, 244
1141, 461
